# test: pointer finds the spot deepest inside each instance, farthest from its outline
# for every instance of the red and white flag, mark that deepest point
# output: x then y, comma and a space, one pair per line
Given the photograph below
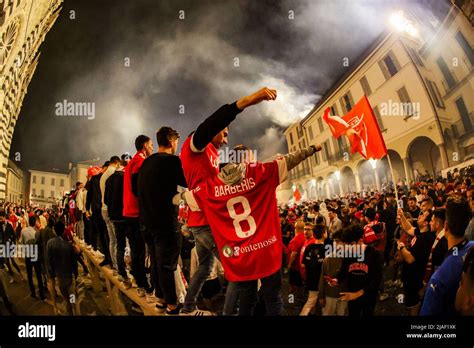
360, 126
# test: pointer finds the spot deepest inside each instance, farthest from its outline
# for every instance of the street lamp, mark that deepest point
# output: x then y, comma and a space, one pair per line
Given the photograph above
402, 24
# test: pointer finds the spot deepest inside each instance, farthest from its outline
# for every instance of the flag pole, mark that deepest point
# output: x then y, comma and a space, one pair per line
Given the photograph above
393, 176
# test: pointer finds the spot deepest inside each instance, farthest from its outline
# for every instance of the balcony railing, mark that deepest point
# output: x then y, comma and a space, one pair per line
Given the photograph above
339, 156
462, 128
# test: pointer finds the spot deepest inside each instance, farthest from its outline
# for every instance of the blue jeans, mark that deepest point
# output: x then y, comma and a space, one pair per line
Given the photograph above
112, 238
247, 294
206, 250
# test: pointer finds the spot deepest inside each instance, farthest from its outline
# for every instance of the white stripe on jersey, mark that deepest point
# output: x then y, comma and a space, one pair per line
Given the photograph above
193, 148
282, 169
191, 201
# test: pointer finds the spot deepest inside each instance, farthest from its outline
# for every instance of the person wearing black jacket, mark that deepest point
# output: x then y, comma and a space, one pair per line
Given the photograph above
94, 204
7, 235
113, 199
62, 266
158, 181
313, 258
363, 273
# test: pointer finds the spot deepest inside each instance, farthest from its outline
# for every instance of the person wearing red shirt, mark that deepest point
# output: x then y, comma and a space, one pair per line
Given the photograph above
294, 247
131, 212
200, 161
308, 240
241, 208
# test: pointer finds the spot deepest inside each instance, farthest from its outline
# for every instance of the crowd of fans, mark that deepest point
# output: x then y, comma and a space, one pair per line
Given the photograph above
340, 254
417, 243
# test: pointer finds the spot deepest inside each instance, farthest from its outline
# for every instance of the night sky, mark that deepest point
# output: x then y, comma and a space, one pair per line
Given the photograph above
186, 62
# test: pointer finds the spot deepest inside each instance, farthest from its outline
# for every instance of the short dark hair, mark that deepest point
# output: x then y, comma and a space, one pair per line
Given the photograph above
440, 213
78, 184
458, 215
370, 213
412, 199
318, 231
319, 220
32, 220
352, 233
337, 235
59, 228
165, 135
114, 160
51, 221
140, 141
2, 213
428, 200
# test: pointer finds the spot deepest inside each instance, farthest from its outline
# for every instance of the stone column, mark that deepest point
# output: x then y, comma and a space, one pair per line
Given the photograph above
408, 170
358, 183
444, 158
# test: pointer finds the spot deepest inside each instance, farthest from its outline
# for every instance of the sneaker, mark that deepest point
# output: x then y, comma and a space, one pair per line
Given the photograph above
141, 292
160, 308
197, 313
174, 311
383, 297
150, 298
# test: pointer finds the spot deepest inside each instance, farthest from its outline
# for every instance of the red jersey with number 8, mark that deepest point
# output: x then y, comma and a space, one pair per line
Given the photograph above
244, 220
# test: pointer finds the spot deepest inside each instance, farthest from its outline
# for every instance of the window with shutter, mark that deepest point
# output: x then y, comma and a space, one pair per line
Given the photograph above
365, 86
378, 117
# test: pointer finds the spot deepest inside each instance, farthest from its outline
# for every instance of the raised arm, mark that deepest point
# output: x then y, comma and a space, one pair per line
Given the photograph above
224, 116
295, 158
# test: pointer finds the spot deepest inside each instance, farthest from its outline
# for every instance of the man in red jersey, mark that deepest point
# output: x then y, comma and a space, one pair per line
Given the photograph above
144, 146
200, 160
241, 208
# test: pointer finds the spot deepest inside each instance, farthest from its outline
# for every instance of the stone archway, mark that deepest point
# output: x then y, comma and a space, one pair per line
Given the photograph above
366, 175
424, 156
348, 180
383, 168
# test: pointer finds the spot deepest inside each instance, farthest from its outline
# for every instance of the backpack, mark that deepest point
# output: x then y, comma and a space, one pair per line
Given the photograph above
374, 233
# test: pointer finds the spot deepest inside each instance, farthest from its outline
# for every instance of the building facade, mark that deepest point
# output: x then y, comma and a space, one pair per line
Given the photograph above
16, 184
23, 27
421, 93
47, 188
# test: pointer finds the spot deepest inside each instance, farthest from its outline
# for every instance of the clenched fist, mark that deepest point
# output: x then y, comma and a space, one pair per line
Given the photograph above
257, 97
